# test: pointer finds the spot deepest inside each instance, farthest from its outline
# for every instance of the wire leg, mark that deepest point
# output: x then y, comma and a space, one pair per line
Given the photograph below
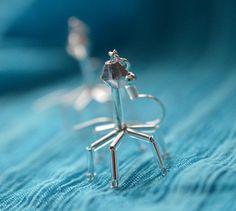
91, 170
100, 142
114, 165
157, 154
90, 152
155, 148
144, 127
105, 127
115, 180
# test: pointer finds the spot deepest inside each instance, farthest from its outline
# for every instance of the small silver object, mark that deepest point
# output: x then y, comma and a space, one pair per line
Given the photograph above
78, 47
116, 76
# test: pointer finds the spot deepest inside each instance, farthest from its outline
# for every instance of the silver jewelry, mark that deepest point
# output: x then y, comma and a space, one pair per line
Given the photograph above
78, 47
116, 76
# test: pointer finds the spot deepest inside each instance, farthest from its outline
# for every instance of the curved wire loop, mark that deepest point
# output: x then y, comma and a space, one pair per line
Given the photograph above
134, 94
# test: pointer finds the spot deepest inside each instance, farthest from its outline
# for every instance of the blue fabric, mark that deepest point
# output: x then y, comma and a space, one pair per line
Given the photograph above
43, 166
183, 52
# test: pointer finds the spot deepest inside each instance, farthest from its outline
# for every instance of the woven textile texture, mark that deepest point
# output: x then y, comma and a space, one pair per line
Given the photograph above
181, 51
43, 166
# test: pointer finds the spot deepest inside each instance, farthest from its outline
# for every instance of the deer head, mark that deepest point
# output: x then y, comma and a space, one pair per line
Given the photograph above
115, 71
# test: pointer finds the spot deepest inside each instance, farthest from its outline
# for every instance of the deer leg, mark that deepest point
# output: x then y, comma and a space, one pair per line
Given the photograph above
93, 147
101, 128
156, 151
114, 166
144, 128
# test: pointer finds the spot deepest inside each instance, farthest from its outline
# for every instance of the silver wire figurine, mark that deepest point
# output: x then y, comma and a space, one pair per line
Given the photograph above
78, 46
116, 75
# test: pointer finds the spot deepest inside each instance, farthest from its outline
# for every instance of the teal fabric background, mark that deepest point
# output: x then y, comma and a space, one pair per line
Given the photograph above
182, 52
